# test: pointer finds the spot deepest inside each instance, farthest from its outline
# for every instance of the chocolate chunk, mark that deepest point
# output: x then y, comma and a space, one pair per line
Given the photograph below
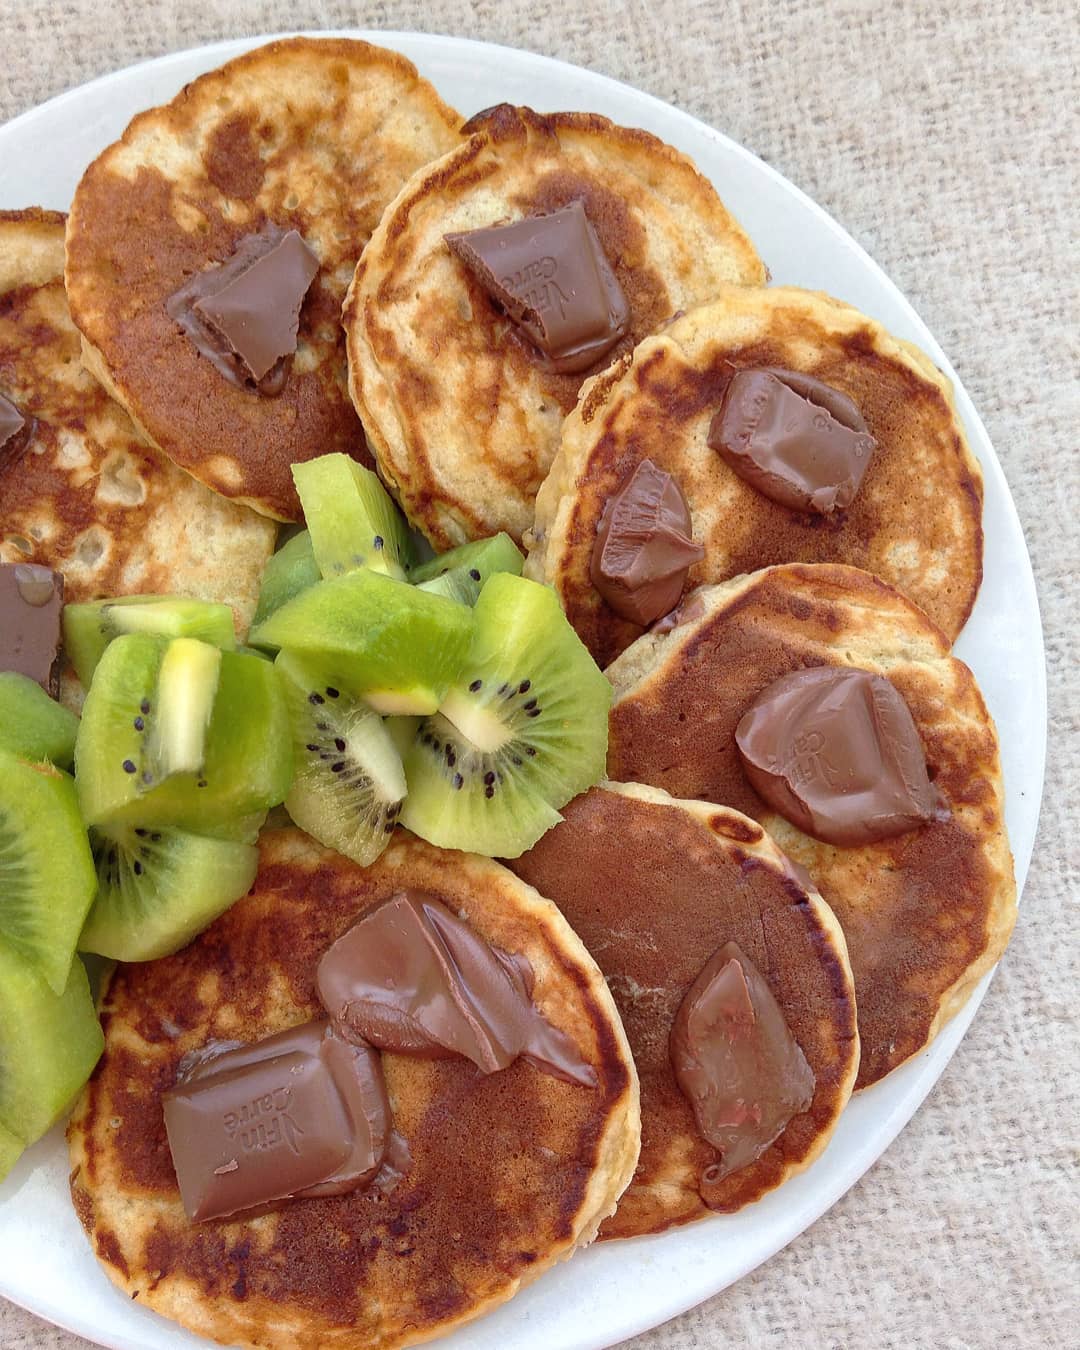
413, 978
798, 441
551, 275
835, 751
644, 547
736, 1061
16, 430
303, 1113
243, 315
31, 599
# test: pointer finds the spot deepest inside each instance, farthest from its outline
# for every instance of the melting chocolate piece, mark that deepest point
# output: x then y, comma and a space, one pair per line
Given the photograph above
243, 315
413, 978
644, 546
798, 441
31, 599
736, 1061
16, 431
551, 275
836, 751
300, 1114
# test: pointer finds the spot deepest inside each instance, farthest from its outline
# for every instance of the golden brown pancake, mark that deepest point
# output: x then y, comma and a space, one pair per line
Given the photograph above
463, 418
312, 134
916, 520
925, 914
653, 886
509, 1173
88, 496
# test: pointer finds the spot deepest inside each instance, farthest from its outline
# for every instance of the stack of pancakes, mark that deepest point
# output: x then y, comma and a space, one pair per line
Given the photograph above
149, 472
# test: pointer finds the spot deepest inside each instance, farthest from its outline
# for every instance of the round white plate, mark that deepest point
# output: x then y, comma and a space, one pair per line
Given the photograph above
613, 1290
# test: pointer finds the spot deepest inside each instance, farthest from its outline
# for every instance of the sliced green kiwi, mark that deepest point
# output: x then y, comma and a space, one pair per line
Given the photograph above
89, 628
352, 518
522, 731
32, 724
49, 1043
461, 573
187, 685
393, 645
46, 871
11, 1147
349, 781
158, 888
248, 753
291, 569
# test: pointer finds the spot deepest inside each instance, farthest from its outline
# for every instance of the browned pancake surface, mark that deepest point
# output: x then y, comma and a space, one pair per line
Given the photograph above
312, 134
925, 914
509, 1171
653, 887
88, 496
461, 413
916, 520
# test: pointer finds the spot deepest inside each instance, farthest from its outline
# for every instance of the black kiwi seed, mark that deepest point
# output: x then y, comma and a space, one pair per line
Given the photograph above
315, 698
339, 743
332, 693
474, 574
137, 868
489, 792
139, 724
141, 833
458, 781
524, 686
311, 746
530, 749
338, 767
378, 541
474, 686
144, 706
489, 778
530, 705
201, 783
129, 766
534, 712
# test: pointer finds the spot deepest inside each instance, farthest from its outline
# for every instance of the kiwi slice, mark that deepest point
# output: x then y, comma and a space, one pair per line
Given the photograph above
32, 724
247, 766
352, 518
392, 644
349, 780
291, 569
461, 573
187, 686
523, 729
157, 888
11, 1147
46, 871
49, 1042
89, 628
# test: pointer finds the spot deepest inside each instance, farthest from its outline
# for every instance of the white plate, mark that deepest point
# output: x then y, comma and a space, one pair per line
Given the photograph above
614, 1290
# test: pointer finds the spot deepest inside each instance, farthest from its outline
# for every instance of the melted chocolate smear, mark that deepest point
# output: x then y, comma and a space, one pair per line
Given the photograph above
736, 1061
551, 275
644, 547
797, 441
835, 751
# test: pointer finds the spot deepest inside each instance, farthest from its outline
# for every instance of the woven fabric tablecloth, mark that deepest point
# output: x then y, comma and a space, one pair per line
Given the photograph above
945, 138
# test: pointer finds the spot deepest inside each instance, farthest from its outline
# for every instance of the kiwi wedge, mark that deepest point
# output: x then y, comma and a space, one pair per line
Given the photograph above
352, 518
522, 730
461, 573
89, 628
32, 724
291, 569
158, 888
46, 871
392, 644
49, 1042
11, 1147
349, 781
247, 756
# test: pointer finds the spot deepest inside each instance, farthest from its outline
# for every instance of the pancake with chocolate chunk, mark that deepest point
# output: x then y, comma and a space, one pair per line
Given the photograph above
80, 491
507, 1172
307, 135
695, 878
916, 515
460, 406
927, 912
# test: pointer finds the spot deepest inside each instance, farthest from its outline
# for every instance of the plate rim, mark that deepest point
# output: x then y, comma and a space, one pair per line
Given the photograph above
926, 1068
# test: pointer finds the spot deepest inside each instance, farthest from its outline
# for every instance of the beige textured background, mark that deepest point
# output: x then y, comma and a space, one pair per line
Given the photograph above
945, 138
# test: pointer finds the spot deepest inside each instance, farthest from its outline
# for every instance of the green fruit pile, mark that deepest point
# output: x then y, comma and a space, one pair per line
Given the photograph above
451, 695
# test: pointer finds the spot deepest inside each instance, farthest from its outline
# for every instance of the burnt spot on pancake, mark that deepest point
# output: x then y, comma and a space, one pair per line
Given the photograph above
651, 926
924, 913
234, 163
108, 1249
500, 1163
